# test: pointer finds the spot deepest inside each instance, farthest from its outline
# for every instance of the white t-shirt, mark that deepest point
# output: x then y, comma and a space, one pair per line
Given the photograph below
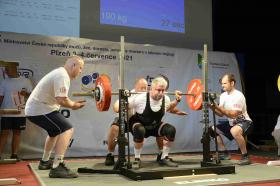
234, 101
10, 88
42, 100
131, 111
138, 103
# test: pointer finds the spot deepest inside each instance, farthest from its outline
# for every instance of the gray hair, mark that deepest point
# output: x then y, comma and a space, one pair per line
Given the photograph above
158, 81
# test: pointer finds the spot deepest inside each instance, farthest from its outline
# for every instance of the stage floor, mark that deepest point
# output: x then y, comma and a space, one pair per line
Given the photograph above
256, 173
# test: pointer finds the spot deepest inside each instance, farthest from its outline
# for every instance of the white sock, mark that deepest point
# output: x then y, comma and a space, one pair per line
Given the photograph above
165, 152
46, 155
137, 152
57, 160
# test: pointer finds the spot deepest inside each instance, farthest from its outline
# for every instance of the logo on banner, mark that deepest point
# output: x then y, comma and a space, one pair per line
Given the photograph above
87, 79
27, 73
149, 79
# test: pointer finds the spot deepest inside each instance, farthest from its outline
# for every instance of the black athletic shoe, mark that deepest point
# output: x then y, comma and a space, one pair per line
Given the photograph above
167, 162
136, 164
159, 157
244, 160
109, 160
62, 172
45, 165
224, 156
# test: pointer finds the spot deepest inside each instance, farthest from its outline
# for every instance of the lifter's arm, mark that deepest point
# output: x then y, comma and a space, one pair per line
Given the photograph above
221, 111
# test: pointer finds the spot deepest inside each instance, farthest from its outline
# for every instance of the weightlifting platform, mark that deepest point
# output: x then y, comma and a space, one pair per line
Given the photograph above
151, 170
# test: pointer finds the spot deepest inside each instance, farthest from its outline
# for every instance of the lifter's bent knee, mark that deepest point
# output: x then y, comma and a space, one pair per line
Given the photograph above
138, 133
169, 132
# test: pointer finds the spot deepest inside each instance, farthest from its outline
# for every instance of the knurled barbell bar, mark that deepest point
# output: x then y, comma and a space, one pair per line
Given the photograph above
9, 111
103, 92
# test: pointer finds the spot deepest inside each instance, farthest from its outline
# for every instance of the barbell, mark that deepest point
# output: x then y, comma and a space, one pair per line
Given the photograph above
103, 93
9, 111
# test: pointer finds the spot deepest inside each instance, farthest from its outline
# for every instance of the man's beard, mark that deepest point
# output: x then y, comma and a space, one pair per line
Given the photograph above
158, 97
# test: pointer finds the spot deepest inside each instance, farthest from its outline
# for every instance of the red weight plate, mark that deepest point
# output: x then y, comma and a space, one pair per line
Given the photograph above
195, 87
103, 83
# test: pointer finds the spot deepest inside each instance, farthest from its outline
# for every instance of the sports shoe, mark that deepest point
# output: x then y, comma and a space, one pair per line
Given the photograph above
167, 162
244, 160
136, 164
45, 165
109, 160
62, 172
159, 157
224, 156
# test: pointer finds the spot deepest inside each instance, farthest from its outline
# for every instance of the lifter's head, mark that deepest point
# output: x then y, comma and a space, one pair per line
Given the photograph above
158, 88
141, 85
74, 66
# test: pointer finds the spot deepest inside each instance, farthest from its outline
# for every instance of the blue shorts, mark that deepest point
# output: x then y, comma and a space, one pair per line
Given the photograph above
54, 123
224, 128
13, 123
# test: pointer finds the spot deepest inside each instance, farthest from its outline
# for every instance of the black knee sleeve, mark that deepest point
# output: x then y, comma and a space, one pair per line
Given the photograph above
139, 133
211, 132
168, 132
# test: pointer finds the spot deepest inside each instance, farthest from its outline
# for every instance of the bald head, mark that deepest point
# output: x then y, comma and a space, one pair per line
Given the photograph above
74, 60
74, 66
141, 85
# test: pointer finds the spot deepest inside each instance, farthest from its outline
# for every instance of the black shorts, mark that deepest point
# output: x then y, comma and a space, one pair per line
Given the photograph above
13, 123
54, 123
117, 123
154, 130
224, 128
